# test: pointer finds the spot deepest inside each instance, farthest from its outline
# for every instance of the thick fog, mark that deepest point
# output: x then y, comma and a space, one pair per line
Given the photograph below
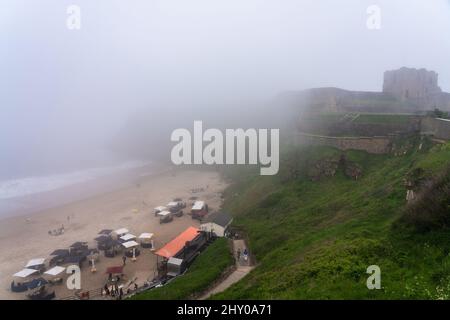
68, 97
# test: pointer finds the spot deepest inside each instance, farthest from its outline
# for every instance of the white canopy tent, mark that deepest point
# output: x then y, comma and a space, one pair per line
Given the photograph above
128, 237
55, 271
25, 273
146, 239
198, 205
159, 209
146, 236
121, 231
35, 262
130, 244
163, 213
172, 204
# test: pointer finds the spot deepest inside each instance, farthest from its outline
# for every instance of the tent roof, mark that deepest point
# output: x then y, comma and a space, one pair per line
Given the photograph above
172, 204
130, 244
73, 259
78, 244
55, 271
221, 218
121, 231
117, 269
102, 238
198, 205
175, 261
105, 231
146, 235
60, 252
24, 273
128, 236
160, 208
174, 246
163, 213
35, 262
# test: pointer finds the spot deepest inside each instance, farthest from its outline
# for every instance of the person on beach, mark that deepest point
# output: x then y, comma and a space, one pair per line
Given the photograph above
124, 259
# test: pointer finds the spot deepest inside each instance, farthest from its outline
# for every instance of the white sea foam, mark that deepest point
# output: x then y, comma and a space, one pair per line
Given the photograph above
26, 186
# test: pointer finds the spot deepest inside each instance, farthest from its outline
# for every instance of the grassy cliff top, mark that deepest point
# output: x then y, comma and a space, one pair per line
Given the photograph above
315, 239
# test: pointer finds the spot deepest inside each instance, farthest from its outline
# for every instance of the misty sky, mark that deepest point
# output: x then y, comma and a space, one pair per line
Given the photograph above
64, 91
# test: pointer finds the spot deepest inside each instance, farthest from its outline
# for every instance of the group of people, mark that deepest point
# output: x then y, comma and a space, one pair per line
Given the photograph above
57, 232
115, 291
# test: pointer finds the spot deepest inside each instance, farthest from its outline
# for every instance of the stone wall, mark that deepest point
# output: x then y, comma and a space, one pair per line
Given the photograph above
376, 145
439, 128
340, 128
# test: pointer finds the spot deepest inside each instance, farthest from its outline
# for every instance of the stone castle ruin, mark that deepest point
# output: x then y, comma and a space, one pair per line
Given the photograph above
372, 121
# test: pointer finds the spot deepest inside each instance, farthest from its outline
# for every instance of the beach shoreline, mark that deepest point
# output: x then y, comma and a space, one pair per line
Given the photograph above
35, 203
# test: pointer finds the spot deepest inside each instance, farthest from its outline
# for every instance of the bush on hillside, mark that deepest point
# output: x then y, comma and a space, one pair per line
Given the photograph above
431, 209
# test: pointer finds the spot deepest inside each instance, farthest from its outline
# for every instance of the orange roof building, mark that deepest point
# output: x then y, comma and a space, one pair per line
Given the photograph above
174, 246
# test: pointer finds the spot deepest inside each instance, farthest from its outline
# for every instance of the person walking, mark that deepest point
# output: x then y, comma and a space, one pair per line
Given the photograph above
124, 259
238, 254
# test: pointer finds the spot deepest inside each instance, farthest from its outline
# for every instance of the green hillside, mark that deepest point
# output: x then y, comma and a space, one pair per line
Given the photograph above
314, 229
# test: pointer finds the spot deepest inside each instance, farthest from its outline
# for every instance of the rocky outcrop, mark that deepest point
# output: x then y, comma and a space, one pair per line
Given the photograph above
323, 168
352, 170
328, 168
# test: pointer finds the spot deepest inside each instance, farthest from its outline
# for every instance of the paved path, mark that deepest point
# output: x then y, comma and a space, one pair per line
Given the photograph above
243, 267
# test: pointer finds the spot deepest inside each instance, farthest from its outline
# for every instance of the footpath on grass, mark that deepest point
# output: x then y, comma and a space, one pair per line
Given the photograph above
243, 267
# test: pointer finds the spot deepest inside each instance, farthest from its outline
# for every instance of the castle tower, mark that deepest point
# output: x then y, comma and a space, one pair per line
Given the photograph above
410, 83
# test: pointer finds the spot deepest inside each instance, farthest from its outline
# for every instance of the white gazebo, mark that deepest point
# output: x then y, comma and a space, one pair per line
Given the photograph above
24, 273
146, 236
55, 271
54, 274
146, 240
159, 209
121, 231
163, 213
131, 245
128, 237
172, 204
35, 262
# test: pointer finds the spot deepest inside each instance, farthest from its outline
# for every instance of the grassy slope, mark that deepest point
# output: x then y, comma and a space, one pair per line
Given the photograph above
316, 239
204, 270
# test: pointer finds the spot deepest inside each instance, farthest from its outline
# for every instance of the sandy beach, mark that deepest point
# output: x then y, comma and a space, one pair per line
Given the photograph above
26, 237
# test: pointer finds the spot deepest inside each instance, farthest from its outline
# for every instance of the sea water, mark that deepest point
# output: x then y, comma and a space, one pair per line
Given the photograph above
13, 190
